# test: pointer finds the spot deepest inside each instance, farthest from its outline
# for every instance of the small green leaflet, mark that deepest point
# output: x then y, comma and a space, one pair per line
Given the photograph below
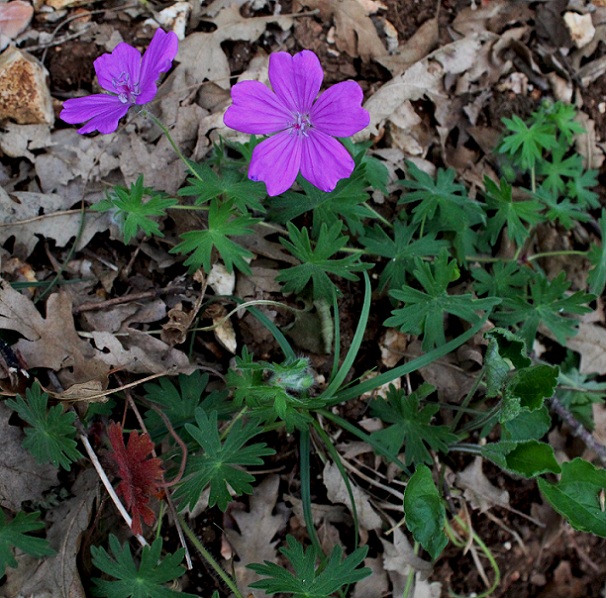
597, 256
505, 351
507, 279
317, 263
132, 212
411, 427
307, 581
399, 250
425, 512
345, 202
562, 116
512, 214
547, 304
230, 184
557, 167
180, 403
132, 581
14, 534
424, 311
443, 200
222, 225
51, 436
526, 144
219, 462
579, 496
562, 211
580, 188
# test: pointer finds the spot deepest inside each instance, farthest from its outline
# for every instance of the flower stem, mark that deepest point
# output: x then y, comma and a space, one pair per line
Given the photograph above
229, 582
175, 147
538, 256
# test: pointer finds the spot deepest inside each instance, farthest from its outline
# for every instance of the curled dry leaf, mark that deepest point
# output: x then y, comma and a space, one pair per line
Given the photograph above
479, 491
15, 16
355, 33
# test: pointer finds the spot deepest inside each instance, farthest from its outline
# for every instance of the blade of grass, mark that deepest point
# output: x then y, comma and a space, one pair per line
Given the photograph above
304, 450
336, 382
406, 368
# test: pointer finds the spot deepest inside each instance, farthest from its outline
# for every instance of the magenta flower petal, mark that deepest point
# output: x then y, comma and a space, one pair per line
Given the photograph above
324, 161
122, 65
101, 111
157, 59
296, 80
256, 110
276, 162
338, 111
130, 80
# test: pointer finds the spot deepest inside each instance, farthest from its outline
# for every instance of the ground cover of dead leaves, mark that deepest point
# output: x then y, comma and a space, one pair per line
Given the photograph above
82, 332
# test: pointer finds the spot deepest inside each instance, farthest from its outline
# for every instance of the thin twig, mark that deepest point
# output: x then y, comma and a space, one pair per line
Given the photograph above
152, 294
577, 429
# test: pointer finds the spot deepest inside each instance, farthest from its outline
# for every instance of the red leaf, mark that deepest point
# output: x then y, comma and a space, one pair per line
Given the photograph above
141, 476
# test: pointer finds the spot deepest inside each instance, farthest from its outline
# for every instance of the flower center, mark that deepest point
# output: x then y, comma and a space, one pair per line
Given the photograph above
126, 90
300, 125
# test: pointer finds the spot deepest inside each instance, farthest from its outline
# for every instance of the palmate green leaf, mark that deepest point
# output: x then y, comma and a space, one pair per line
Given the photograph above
526, 144
562, 211
424, 311
307, 581
424, 512
132, 212
180, 401
580, 188
399, 250
345, 202
548, 304
143, 581
222, 225
597, 257
443, 202
219, 463
527, 425
578, 496
51, 436
318, 263
506, 279
411, 427
230, 184
528, 458
513, 214
15, 534
555, 168
562, 116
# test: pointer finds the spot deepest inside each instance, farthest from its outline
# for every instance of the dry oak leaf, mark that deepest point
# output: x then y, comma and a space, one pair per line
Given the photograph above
50, 342
141, 474
257, 529
201, 55
355, 32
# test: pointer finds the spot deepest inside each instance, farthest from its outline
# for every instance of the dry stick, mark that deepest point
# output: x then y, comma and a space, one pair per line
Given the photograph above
100, 305
579, 430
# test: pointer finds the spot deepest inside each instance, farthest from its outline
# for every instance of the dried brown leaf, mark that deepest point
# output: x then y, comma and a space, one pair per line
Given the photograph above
254, 543
479, 491
355, 33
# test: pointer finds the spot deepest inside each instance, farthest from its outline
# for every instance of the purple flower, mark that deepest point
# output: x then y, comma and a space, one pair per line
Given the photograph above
304, 126
130, 79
